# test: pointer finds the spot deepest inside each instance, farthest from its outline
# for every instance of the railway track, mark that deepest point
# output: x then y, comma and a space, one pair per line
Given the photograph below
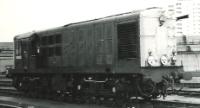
9, 91
6, 89
9, 106
189, 93
185, 90
173, 104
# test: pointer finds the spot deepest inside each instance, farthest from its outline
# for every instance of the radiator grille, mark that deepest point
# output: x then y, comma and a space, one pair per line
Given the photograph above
127, 40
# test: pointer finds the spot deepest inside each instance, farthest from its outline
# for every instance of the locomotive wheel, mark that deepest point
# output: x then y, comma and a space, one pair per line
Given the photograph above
146, 89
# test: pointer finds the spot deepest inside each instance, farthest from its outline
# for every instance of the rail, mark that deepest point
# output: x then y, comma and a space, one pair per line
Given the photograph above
9, 106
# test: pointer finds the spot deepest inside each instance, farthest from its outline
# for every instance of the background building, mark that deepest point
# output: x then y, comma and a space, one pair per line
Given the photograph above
187, 32
191, 25
6, 55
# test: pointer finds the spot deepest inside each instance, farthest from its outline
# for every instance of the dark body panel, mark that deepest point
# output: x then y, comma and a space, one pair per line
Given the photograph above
85, 47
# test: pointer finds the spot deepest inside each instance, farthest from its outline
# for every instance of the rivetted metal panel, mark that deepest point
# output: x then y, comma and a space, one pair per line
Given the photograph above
108, 42
69, 48
90, 46
81, 43
74, 48
99, 44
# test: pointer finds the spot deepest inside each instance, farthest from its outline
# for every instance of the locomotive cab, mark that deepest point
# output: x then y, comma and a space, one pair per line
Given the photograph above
26, 52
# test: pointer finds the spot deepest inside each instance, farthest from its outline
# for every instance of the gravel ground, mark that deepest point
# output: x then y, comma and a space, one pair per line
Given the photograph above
38, 103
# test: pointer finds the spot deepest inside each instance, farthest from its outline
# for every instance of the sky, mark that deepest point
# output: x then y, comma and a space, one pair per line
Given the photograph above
22, 16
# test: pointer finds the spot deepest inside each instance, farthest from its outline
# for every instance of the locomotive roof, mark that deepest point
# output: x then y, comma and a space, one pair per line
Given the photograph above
100, 19
29, 34
24, 35
134, 13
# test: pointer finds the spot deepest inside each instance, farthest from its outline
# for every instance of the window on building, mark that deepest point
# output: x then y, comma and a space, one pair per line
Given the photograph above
180, 28
179, 24
179, 12
178, 4
170, 10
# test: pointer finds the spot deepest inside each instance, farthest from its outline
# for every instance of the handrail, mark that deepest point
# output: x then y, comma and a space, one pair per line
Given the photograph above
95, 81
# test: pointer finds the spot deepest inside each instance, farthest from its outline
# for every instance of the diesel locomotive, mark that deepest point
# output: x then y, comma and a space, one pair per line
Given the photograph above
124, 55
